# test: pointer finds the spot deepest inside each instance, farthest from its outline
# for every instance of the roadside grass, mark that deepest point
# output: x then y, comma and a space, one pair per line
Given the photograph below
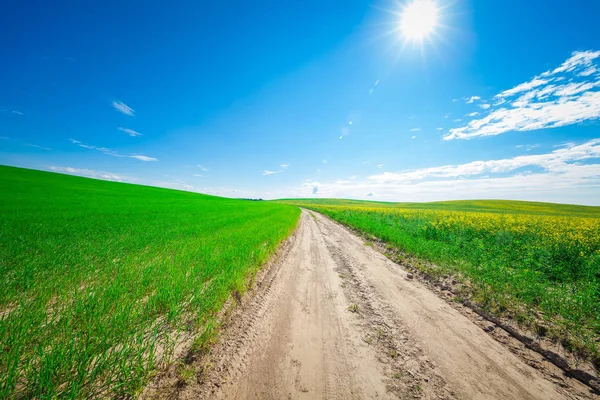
538, 263
99, 278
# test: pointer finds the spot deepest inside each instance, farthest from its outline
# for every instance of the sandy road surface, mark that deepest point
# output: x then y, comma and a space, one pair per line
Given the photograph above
335, 319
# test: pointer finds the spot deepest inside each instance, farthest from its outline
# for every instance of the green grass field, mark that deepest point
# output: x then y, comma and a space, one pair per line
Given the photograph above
538, 263
98, 277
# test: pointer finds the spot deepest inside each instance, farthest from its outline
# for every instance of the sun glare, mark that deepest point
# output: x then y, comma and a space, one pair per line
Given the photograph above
419, 19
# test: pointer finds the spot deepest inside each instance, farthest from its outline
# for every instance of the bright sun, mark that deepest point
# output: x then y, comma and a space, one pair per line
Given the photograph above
419, 19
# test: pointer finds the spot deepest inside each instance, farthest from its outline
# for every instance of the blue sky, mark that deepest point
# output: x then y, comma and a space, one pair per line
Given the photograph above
279, 99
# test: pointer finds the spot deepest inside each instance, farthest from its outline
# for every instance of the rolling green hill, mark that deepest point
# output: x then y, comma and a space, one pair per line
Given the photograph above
98, 277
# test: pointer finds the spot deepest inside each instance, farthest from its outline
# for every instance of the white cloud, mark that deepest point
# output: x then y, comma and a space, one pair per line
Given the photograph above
324, 161
473, 114
473, 99
415, 129
577, 59
523, 87
529, 147
17, 112
570, 174
25, 143
267, 172
198, 175
123, 108
90, 173
590, 71
202, 167
566, 95
143, 158
284, 167
380, 166
111, 152
36, 146
484, 106
554, 161
130, 132
413, 137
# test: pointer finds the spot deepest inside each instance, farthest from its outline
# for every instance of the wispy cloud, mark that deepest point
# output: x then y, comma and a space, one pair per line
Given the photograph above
202, 167
111, 152
324, 161
415, 129
143, 158
473, 99
17, 112
485, 106
25, 143
123, 108
413, 137
529, 147
90, 173
267, 172
566, 95
198, 175
130, 132
36, 146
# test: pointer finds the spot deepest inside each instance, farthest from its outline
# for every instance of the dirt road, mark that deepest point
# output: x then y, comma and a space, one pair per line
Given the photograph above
335, 319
